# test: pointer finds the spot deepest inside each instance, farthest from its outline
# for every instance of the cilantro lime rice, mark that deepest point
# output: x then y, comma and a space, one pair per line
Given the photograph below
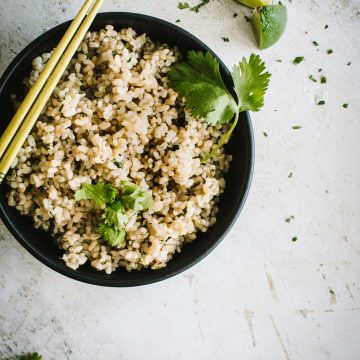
114, 119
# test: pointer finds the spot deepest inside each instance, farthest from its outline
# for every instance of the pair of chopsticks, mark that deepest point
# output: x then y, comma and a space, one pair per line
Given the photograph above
30, 109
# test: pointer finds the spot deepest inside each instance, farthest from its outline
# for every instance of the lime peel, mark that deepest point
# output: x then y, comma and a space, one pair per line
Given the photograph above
269, 24
255, 3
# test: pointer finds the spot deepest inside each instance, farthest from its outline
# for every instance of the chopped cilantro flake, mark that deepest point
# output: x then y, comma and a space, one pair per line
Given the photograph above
183, 5
197, 7
298, 60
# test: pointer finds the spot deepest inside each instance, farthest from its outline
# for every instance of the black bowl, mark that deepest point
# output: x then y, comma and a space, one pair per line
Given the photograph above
40, 244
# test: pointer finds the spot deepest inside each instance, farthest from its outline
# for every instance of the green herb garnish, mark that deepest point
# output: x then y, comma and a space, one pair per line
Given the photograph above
345, 106
311, 77
292, 217
199, 81
315, 43
330, 51
111, 235
294, 239
114, 215
323, 80
225, 39
296, 127
115, 203
101, 194
298, 60
183, 5
321, 102
197, 7
33, 356
135, 198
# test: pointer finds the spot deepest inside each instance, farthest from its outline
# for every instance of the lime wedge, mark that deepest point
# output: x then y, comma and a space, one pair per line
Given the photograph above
255, 3
269, 24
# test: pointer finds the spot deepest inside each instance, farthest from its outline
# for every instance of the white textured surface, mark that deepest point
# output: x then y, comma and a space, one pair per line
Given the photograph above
258, 295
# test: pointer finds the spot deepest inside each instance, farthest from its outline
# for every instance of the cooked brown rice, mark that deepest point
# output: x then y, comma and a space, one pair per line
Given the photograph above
114, 117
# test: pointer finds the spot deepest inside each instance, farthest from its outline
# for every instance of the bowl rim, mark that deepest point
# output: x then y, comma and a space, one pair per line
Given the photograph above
85, 278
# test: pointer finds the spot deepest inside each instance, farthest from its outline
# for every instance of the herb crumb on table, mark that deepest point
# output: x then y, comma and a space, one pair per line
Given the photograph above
298, 60
183, 5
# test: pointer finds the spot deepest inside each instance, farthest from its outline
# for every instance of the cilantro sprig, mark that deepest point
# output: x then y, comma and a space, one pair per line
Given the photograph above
199, 81
114, 203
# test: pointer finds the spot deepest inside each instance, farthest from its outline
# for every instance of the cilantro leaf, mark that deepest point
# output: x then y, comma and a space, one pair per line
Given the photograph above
250, 83
135, 198
112, 236
199, 82
114, 215
101, 194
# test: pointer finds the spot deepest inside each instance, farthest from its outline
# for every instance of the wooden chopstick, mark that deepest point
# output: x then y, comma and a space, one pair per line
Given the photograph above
35, 104
40, 82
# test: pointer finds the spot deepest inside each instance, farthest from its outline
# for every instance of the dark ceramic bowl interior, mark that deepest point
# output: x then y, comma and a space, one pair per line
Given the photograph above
41, 245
